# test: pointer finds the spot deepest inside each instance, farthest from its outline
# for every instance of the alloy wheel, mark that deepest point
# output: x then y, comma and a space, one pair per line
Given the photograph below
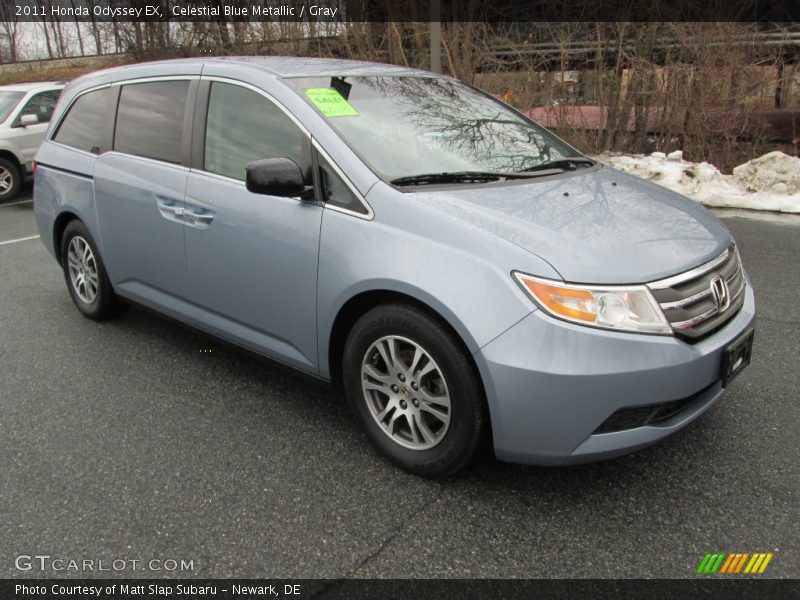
6, 180
406, 392
82, 269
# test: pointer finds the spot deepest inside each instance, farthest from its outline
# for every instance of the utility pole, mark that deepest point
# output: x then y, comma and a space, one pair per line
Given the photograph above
436, 35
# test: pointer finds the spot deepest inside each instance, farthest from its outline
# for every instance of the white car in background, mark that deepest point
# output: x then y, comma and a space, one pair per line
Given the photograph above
25, 111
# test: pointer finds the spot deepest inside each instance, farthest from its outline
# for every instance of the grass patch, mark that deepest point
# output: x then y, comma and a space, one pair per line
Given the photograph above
31, 74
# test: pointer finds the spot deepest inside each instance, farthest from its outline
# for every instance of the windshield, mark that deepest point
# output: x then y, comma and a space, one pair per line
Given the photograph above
407, 126
8, 100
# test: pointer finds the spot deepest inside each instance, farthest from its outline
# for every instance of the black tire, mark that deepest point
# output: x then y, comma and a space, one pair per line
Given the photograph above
463, 439
104, 303
10, 179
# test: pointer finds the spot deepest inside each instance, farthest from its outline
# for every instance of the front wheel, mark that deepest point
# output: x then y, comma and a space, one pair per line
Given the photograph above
415, 391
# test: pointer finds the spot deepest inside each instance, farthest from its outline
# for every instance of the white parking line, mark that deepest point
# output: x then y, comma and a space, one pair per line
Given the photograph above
25, 239
16, 203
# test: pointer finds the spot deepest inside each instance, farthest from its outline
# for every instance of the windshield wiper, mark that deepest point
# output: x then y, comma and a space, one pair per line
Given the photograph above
456, 177
452, 177
569, 164
488, 176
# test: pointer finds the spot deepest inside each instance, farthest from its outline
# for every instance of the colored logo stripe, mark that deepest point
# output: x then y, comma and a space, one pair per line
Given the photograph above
711, 563
758, 563
734, 563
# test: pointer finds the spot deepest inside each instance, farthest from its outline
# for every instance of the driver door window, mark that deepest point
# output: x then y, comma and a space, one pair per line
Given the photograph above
242, 126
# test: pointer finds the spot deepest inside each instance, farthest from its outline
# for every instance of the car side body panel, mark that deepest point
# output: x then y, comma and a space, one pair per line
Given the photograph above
60, 190
254, 267
132, 196
469, 283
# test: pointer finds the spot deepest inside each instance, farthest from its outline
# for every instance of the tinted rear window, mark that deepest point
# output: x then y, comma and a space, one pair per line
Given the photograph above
82, 127
150, 119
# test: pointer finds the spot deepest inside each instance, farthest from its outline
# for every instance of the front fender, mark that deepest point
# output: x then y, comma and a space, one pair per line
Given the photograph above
461, 273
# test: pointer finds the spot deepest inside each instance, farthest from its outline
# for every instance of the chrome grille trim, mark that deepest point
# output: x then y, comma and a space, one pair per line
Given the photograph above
693, 274
736, 275
706, 315
679, 325
698, 296
687, 299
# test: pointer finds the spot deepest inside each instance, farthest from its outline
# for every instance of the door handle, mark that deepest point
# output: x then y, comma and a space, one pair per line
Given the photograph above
169, 208
199, 217
202, 218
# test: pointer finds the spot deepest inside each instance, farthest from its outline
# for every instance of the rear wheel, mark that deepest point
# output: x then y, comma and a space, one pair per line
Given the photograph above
415, 391
10, 179
85, 274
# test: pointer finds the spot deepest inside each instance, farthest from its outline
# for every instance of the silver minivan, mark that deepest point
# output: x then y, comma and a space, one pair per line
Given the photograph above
470, 279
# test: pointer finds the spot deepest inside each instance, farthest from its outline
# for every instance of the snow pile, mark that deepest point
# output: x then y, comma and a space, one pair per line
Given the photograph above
770, 182
774, 172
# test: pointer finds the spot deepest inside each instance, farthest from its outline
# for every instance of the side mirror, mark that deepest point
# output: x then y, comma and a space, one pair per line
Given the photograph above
26, 120
275, 177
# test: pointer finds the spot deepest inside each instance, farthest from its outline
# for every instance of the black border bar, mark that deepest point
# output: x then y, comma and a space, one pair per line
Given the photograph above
508, 11
706, 587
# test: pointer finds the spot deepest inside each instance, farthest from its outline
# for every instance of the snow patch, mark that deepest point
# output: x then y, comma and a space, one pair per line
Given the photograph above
770, 182
773, 172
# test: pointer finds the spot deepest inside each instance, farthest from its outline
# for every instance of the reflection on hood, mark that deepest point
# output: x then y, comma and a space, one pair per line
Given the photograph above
601, 226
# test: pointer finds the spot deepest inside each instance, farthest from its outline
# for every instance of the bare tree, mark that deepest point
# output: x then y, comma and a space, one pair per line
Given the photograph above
9, 29
78, 30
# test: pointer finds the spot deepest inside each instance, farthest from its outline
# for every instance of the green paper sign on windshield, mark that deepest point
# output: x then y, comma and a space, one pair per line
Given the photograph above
330, 102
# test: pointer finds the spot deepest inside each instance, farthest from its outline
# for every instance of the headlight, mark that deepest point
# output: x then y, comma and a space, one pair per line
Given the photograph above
623, 308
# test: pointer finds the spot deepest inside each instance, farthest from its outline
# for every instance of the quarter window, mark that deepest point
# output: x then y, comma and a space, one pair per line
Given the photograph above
82, 126
335, 191
150, 119
242, 126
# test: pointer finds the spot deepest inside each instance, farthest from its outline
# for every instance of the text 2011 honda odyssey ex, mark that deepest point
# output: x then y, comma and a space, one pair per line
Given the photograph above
465, 274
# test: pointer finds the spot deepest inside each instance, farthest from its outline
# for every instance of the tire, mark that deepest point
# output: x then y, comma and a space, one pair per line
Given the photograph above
85, 274
10, 180
433, 422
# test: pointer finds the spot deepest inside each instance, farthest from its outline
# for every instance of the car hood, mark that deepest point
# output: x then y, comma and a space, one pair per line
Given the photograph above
599, 226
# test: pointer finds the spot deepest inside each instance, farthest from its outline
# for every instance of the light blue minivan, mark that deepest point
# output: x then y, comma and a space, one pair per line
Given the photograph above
470, 279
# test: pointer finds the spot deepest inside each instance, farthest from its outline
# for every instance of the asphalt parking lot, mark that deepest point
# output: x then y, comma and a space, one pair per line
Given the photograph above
138, 439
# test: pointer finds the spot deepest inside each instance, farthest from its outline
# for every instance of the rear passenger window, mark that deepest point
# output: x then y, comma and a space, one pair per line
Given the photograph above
83, 124
150, 119
242, 126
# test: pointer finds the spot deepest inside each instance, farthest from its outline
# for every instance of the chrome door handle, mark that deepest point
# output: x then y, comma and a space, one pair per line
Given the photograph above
202, 218
198, 217
169, 208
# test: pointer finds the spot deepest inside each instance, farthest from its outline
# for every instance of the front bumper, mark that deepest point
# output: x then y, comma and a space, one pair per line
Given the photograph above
551, 384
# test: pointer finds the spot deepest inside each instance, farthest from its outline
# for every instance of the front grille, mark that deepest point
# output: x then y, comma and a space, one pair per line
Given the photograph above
651, 414
690, 303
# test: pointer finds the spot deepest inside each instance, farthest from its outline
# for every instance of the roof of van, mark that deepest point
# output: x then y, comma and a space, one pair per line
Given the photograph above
280, 66
292, 66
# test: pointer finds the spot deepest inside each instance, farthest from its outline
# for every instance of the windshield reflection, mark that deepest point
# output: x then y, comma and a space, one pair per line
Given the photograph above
407, 126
